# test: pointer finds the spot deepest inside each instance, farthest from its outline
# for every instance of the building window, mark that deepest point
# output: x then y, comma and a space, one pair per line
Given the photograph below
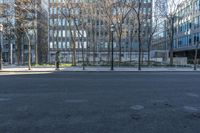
59, 45
64, 33
51, 45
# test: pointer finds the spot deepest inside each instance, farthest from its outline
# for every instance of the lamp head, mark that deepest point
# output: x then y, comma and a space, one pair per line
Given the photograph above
1, 27
112, 28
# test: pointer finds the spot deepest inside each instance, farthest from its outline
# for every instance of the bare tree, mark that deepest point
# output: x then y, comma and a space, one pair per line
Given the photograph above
137, 8
151, 30
106, 9
80, 24
133, 34
122, 9
70, 8
92, 29
168, 10
25, 23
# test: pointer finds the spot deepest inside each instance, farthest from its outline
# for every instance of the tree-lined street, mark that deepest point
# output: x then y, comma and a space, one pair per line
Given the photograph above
100, 102
99, 66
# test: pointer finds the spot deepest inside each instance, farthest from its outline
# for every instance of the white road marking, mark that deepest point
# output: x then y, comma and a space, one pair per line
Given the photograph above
191, 109
192, 95
137, 107
4, 99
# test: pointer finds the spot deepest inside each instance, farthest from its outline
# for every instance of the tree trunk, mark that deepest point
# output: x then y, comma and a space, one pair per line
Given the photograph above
109, 48
94, 44
140, 43
120, 49
19, 50
88, 51
36, 49
171, 53
29, 51
73, 45
140, 51
10, 51
171, 42
131, 46
22, 50
83, 57
1, 51
120, 43
195, 57
149, 49
109, 40
74, 54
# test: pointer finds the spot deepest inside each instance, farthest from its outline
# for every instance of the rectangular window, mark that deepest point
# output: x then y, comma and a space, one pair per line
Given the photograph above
59, 33
59, 45
64, 33
51, 45
64, 45
55, 44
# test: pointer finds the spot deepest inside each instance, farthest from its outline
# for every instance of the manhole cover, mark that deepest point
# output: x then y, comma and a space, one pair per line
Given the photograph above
137, 107
4, 99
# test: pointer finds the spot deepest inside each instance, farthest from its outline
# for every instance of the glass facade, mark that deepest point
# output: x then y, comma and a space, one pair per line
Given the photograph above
186, 27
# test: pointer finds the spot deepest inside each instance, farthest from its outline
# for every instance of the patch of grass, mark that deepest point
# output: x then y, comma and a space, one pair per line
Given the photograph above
43, 65
52, 65
65, 65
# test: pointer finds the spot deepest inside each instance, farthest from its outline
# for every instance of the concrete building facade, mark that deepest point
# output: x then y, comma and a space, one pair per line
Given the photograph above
96, 36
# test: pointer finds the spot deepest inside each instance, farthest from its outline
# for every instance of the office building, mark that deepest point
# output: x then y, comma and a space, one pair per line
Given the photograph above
95, 38
186, 31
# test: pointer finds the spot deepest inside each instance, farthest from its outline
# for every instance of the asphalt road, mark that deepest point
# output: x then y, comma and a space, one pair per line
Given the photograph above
100, 102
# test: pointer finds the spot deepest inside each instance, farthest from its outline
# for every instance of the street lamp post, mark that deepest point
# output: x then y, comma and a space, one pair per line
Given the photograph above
112, 47
1, 46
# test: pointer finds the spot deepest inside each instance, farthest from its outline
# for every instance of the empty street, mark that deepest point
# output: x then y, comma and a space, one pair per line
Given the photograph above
100, 102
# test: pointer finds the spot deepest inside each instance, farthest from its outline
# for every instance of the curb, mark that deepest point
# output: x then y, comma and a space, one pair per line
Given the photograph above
32, 71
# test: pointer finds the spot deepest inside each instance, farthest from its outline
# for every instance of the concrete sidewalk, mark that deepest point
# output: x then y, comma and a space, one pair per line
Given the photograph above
94, 69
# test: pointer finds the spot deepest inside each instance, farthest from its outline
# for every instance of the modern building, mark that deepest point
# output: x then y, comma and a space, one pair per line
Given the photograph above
186, 30
94, 37
159, 44
42, 31
32, 20
18, 18
8, 22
